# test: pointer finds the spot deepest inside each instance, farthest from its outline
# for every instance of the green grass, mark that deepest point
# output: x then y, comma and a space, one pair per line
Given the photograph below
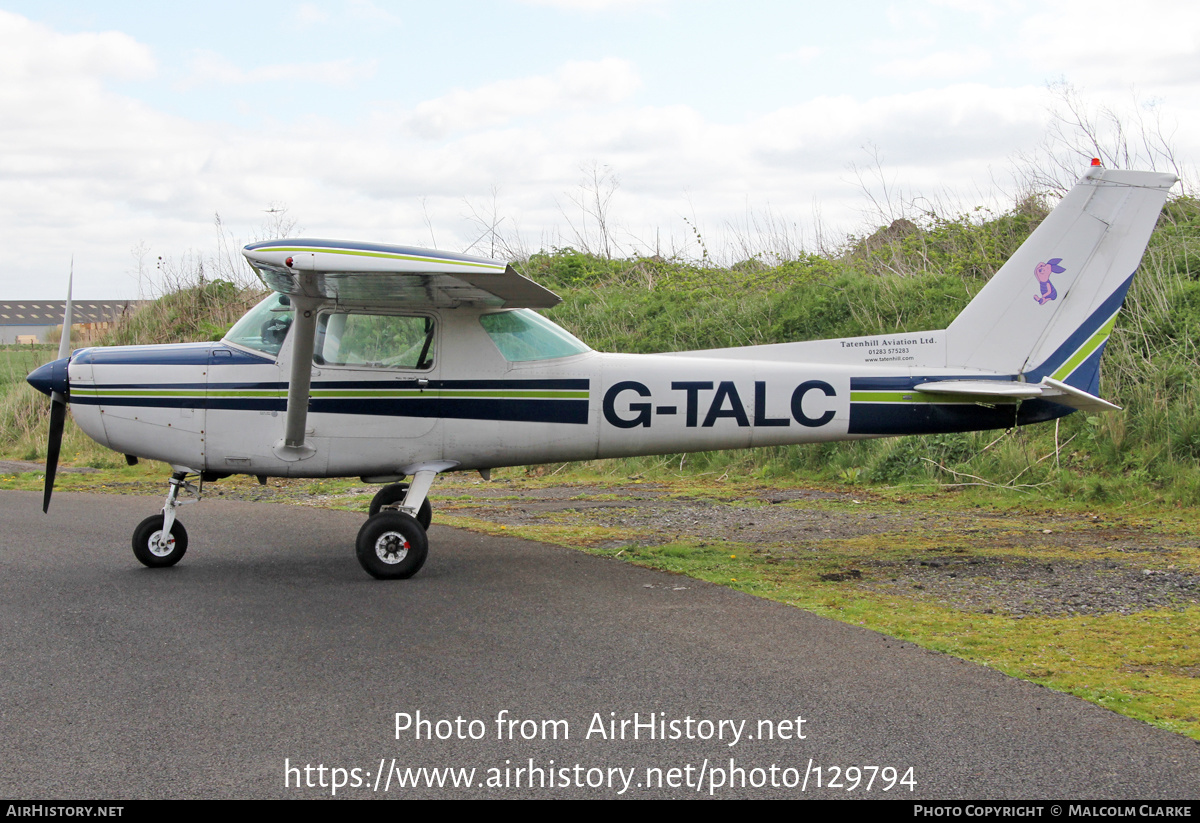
1145, 665
18, 361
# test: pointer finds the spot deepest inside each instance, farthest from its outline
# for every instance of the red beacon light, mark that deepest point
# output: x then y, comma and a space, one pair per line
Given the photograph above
1095, 162
288, 262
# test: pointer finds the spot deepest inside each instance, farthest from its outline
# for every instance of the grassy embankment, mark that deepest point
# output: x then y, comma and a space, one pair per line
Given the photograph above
905, 278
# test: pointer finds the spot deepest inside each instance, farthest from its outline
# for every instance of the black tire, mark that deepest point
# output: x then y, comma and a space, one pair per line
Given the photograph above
395, 494
150, 555
392, 546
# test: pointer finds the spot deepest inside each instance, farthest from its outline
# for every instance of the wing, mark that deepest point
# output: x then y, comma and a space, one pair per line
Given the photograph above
379, 274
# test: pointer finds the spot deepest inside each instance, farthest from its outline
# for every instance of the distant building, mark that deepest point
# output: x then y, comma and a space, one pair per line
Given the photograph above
33, 320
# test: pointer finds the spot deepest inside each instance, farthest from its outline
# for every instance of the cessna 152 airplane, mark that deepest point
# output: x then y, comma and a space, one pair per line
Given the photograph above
389, 362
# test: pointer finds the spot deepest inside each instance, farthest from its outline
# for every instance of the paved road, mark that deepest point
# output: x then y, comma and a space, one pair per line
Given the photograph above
268, 648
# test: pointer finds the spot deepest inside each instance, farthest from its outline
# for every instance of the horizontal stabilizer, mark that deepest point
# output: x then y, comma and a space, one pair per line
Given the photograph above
1075, 398
1049, 389
983, 388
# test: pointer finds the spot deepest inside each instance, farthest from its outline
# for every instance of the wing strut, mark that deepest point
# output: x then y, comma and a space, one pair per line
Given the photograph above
303, 335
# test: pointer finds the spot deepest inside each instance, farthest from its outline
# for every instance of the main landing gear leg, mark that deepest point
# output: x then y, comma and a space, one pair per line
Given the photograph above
161, 540
392, 498
392, 544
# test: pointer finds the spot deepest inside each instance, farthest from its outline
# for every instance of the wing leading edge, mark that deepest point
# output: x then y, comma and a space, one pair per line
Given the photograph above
381, 274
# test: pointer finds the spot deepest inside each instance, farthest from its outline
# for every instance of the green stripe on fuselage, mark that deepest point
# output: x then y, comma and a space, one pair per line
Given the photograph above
364, 393
534, 394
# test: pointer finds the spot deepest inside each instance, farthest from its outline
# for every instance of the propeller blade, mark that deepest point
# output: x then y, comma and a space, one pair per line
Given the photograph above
64, 342
58, 417
58, 400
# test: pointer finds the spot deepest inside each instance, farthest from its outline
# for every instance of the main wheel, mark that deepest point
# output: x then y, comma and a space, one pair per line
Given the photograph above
145, 542
395, 494
392, 545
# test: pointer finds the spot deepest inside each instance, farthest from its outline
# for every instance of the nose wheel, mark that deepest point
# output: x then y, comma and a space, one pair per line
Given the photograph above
155, 547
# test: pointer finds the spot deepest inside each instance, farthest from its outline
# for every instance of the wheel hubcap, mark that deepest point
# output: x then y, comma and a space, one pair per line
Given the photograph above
160, 547
391, 547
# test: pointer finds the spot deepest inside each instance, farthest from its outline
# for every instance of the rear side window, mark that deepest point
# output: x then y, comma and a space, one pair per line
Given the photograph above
523, 335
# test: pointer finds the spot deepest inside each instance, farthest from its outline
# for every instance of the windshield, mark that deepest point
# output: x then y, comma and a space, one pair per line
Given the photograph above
264, 327
523, 335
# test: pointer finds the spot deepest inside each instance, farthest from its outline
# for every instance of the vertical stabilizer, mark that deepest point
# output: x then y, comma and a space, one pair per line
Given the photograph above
1049, 310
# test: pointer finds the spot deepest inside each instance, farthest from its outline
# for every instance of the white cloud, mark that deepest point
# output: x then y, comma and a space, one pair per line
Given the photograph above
910, 16
988, 11
78, 164
1111, 44
210, 68
85, 168
33, 52
804, 54
310, 14
371, 12
594, 5
943, 64
576, 85
135, 173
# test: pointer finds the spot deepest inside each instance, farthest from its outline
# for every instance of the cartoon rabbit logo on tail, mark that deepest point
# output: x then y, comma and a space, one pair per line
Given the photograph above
1042, 272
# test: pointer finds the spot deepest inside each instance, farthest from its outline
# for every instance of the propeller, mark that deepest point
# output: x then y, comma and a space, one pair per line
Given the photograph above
52, 379
58, 418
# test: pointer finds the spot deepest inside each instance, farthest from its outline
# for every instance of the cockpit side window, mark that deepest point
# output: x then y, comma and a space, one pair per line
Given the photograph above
377, 341
522, 335
264, 327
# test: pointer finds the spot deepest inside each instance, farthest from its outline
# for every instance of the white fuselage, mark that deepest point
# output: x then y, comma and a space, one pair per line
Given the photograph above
220, 407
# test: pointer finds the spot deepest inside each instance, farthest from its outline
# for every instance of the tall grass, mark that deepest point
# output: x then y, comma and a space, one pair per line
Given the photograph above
915, 276
198, 312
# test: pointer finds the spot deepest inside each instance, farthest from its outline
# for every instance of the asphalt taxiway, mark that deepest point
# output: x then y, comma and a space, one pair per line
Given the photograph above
267, 658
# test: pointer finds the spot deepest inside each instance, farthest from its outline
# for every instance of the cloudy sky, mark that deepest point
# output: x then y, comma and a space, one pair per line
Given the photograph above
126, 127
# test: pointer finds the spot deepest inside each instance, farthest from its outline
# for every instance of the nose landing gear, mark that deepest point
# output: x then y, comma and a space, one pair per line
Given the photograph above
161, 540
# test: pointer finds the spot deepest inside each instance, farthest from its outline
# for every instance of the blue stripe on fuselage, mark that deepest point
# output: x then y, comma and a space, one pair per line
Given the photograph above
178, 354
208, 396
936, 418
